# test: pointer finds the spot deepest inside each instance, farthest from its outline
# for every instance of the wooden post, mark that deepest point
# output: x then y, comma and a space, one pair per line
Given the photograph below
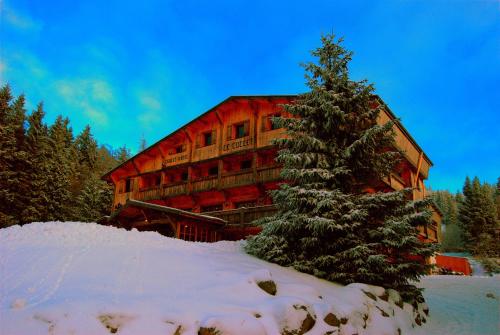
221, 128
190, 177
254, 166
219, 173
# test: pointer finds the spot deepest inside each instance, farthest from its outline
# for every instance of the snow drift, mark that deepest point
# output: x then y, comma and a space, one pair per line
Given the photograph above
81, 278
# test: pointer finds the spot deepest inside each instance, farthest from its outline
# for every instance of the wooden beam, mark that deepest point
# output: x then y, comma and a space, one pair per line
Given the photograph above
221, 129
219, 118
419, 165
135, 166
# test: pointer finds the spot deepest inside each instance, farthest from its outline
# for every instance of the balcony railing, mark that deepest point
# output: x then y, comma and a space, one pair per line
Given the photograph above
206, 183
175, 189
227, 180
147, 194
239, 178
265, 174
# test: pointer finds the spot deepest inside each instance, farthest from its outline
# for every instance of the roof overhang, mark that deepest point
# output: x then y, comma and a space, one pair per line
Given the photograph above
140, 210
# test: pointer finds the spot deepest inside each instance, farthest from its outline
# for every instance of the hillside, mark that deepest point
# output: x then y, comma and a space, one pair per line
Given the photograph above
80, 278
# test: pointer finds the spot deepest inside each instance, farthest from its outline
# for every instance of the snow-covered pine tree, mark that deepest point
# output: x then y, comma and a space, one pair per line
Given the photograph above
63, 163
327, 223
38, 168
7, 150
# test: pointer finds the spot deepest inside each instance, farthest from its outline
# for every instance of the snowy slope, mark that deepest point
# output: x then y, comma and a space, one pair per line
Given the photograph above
462, 305
80, 278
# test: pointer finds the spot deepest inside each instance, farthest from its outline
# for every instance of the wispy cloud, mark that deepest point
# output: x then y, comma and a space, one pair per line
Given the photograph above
93, 96
18, 20
150, 107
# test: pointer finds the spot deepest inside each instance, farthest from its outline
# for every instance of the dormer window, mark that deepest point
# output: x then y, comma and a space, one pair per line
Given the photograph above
238, 130
207, 138
179, 149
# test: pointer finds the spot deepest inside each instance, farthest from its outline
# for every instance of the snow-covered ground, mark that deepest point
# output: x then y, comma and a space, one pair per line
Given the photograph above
80, 278
462, 305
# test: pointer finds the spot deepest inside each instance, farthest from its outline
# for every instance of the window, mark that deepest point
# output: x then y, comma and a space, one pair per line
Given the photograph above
238, 130
267, 122
206, 138
128, 185
179, 149
213, 171
246, 164
184, 176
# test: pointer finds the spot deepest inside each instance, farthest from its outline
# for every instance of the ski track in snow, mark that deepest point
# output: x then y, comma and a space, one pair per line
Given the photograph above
59, 278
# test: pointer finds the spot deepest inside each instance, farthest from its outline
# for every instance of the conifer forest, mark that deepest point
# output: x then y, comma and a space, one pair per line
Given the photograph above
46, 172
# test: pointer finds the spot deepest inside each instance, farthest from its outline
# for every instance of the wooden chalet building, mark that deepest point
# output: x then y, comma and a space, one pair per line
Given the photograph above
210, 179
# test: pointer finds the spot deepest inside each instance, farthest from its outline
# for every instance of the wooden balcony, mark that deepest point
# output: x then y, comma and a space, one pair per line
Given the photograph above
227, 180
147, 194
266, 174
238, 178
204, 184
160, 192
174, 189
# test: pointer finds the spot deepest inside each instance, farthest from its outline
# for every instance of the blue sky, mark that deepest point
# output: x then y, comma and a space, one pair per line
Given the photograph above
133, 68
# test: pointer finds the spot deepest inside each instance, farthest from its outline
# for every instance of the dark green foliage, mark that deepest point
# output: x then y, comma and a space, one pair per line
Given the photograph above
478, 218
45, 173
327, 224
452, 232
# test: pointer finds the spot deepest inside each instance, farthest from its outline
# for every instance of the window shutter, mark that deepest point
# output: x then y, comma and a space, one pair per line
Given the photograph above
229, 134
198, 140
214, 136
246, 127
184, 147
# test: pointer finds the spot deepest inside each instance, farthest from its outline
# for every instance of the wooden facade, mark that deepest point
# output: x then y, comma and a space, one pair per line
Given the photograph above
222, 164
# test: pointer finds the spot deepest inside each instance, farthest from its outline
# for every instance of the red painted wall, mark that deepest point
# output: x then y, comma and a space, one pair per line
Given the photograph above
458, 264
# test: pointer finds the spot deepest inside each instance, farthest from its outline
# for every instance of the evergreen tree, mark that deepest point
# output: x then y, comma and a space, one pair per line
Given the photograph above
497, 198
86, 147
38, 168
122, 154
94, 200
62, 162
328, 223
7, 149
142, 143
452, 233
478, 219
